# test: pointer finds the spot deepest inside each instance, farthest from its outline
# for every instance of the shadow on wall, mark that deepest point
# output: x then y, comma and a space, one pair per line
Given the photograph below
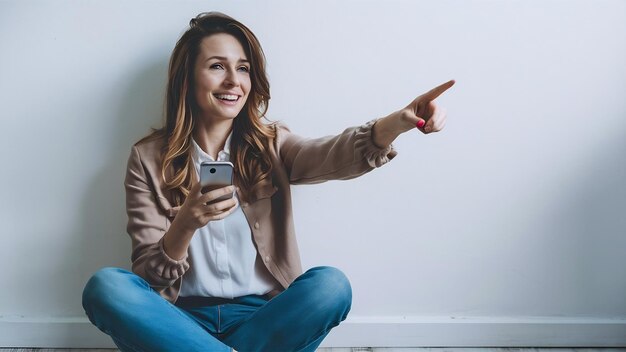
102, 223
591, 245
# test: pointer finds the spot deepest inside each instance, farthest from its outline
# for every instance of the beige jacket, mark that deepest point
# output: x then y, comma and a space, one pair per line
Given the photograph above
296, 160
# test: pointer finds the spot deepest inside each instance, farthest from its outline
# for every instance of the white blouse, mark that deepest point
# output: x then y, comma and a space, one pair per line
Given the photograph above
223, 259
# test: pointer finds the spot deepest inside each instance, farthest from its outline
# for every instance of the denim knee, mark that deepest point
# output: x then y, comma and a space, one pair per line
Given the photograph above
333, 286
106, 288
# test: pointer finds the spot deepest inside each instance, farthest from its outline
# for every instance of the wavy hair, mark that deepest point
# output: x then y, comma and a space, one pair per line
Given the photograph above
250, 137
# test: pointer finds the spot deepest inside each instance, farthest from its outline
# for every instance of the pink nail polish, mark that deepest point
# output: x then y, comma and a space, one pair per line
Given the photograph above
420, 123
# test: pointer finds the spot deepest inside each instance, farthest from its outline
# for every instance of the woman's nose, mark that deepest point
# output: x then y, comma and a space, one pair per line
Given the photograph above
231, 78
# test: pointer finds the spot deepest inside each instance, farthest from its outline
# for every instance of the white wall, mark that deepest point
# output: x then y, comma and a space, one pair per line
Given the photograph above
505, 229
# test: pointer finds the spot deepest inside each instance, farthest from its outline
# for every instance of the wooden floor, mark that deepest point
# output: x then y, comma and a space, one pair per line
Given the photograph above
363, 349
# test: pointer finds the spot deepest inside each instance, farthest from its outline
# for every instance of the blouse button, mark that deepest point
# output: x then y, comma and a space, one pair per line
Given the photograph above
256, 225
267, 258
245, 205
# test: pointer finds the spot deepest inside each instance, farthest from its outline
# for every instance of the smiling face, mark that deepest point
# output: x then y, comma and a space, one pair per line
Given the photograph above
222, 78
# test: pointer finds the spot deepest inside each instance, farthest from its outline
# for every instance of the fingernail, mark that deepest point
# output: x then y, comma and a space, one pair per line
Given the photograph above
420, 123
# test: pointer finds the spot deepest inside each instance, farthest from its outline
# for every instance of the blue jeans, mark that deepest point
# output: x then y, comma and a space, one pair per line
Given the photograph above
125, 307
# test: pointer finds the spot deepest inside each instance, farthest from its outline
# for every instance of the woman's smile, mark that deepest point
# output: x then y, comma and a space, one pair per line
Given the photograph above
227, 99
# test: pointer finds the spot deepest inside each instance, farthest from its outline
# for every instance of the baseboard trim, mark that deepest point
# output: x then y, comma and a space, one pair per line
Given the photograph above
361, 331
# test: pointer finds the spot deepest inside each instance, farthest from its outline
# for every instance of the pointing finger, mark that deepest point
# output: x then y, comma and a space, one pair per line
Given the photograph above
437, 91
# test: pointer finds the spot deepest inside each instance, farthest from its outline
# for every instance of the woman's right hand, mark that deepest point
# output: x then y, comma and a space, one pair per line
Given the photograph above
195, 213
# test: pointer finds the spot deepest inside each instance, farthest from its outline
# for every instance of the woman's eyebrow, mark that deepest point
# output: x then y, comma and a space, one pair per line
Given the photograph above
225, 58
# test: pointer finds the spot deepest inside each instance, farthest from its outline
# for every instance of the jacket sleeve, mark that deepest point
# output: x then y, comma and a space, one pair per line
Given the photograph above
347, 155
147, 224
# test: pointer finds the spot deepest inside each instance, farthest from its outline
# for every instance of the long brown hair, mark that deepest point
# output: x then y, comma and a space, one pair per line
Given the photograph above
250, 137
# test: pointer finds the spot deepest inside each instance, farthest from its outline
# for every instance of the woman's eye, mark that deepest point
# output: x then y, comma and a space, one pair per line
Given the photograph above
219, 66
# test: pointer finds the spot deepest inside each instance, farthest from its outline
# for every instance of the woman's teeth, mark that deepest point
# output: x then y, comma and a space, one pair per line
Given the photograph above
227, 97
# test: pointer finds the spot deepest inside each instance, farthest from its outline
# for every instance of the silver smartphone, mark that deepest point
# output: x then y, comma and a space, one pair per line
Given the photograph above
214, 175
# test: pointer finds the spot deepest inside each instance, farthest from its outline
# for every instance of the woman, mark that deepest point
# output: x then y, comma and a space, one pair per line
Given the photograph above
208, 277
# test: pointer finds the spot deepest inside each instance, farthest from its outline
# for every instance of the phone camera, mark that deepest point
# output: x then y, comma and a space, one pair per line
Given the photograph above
212, 170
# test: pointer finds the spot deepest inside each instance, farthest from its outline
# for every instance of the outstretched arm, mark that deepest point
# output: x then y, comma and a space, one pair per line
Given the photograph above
359, 149
346, 155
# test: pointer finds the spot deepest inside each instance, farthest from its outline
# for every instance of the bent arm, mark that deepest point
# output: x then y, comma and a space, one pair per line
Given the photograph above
147, 225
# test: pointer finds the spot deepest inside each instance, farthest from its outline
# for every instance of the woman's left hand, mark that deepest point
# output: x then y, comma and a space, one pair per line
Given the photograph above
422, 113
